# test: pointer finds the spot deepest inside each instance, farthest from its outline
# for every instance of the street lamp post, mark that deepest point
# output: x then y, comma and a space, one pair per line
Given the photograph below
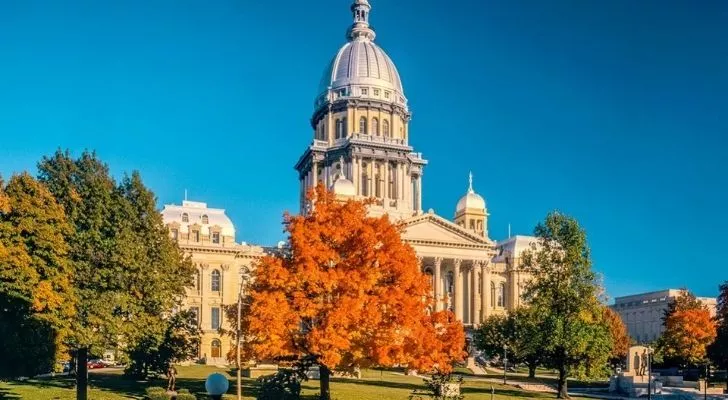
649, 373
237, 347
505, 363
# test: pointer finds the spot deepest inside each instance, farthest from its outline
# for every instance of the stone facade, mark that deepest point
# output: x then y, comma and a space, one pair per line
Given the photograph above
642, 313
208, 236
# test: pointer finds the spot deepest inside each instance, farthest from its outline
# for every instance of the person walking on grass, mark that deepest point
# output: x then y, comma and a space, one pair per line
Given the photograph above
171, 377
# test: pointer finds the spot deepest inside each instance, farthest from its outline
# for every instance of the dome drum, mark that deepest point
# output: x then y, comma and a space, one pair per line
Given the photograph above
353, 102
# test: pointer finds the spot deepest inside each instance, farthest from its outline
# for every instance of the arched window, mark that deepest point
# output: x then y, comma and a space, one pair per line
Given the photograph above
363, 125
502, 295
375, 126
385, 128
430, 275
215, 281
216, 349
205, 219
185, 217
450, 283
364, 180
492, 294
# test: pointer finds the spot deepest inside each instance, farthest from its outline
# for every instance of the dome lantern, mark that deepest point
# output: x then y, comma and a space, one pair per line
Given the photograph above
470, 212
361, 28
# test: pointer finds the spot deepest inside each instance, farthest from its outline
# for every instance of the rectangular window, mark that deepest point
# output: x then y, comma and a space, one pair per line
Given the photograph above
376, 92
364, 91
175, 234
196, 315
216, 237
196, 235
215, 318
386, 95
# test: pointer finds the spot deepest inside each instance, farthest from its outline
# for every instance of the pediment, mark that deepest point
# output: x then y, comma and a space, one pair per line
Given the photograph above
431, 228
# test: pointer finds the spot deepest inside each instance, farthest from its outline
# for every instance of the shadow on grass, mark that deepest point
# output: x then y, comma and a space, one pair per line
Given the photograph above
129, 387
504, 392
6, 394
375, 382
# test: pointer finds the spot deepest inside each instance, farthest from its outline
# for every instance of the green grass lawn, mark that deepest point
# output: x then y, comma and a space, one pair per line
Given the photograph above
108, 384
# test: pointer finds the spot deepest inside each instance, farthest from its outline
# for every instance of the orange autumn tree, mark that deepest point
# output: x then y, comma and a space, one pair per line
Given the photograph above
620, 337
689, 330
347, 292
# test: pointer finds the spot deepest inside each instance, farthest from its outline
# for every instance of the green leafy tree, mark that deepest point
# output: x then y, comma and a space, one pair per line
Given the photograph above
152, 354
564, 292
492, 335
36, 294
129, 275
718, 350
519, 331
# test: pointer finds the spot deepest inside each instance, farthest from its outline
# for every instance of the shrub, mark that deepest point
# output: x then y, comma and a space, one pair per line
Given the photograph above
183, 391
186, 396
154, 389
285, 385
157, 396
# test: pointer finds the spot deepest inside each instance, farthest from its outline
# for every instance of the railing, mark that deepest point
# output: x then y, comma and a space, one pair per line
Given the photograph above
416, 155
363, 137
379, 139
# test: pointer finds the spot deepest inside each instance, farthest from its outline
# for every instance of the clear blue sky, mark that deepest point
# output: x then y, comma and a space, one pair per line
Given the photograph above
613, 111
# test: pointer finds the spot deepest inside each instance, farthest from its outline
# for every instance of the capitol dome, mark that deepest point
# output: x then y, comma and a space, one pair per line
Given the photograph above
471, 200
361, 69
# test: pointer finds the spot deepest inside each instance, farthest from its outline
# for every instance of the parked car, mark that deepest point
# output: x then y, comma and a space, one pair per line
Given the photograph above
93, 364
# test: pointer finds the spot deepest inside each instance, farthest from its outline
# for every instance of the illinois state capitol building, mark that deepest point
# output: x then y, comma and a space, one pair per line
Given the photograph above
361, 149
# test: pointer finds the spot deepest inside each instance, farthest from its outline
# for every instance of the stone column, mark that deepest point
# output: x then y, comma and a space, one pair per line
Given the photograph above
458, 292
315, 172
385, 189
484, 290
330, 128
419, 193
438, 284
371, 177
473, 293
354, 172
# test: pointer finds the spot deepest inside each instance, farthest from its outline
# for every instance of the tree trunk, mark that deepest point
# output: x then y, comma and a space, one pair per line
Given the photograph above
324, 380
532, 370
82, 374
563, 391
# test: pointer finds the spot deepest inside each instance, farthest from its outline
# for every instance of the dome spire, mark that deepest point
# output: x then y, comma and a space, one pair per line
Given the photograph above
360, 29
470, 180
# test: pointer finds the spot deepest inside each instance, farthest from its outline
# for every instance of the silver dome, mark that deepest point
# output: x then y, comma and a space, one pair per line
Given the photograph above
361, 69
361, 63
